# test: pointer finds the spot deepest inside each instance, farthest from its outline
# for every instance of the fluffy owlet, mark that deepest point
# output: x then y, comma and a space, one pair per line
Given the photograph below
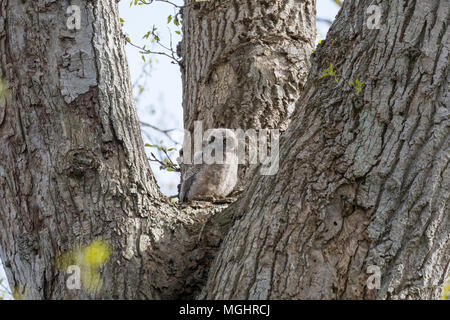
216, 176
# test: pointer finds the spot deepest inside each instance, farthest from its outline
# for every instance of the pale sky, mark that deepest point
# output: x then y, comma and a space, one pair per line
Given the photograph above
161, 103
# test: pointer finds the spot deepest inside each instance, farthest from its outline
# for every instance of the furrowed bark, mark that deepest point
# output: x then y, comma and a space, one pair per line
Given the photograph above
364, 179
245, 63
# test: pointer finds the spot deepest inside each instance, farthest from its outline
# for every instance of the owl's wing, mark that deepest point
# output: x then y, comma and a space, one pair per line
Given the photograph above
189, 177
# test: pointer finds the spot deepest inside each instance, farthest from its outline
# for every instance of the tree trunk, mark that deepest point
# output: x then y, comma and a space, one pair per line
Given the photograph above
363, 179
245, 63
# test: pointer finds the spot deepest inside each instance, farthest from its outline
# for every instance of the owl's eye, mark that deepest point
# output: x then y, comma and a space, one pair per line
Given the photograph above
212, 139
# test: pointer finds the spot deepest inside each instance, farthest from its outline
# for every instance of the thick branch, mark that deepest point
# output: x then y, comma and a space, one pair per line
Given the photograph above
364, 178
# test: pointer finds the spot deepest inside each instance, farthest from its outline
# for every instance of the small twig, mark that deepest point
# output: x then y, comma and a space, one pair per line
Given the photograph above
156, 160
165, 165
173, 165
146, 51
172, 52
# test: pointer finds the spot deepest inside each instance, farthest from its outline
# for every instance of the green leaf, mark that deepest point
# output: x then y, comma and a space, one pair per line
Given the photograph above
147, 35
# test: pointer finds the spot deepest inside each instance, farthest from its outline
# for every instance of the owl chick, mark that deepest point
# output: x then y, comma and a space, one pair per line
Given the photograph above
216, 176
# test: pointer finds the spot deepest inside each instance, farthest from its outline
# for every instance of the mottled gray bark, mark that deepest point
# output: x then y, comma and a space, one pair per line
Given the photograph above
245, 63
364, 179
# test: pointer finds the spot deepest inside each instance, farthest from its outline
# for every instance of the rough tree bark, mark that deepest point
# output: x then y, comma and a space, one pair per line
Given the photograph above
363, 179
245, 63
72, 162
